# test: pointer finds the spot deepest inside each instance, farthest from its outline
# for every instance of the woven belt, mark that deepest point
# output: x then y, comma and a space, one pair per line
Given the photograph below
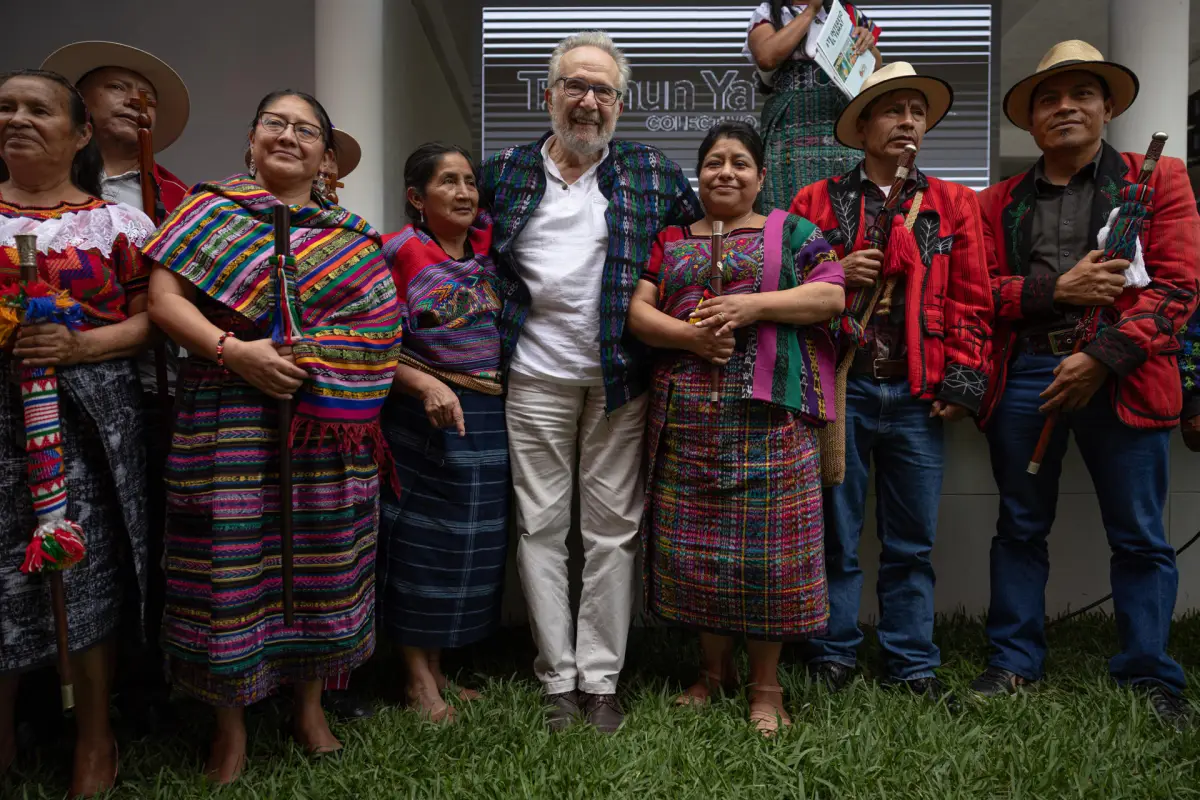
881, 369
1059, 342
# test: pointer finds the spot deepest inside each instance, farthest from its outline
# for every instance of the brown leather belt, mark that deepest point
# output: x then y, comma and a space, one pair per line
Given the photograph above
1060, 342
881, 369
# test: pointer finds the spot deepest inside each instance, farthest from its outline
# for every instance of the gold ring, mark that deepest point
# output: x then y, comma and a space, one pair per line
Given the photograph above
721, 314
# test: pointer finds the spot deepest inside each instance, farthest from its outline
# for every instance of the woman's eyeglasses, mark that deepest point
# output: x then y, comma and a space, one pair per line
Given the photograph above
276, 125
578, 87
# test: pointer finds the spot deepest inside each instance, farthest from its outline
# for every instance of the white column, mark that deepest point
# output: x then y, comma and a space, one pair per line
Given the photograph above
350, 67
1151, 38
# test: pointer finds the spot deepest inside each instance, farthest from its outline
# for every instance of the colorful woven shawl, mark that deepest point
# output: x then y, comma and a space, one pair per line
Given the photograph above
449, 308
221, 239
794, 366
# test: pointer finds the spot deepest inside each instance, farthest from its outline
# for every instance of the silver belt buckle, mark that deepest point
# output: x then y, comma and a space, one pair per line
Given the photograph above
1062, 343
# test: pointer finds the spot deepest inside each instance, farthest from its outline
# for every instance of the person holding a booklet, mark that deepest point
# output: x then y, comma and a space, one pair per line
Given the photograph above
798, 120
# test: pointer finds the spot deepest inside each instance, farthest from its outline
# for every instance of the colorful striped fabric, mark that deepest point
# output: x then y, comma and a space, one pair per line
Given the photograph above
785, 365
224, 626
221, 239
449, 307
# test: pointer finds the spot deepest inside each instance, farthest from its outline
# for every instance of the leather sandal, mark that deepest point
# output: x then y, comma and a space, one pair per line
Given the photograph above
765, 716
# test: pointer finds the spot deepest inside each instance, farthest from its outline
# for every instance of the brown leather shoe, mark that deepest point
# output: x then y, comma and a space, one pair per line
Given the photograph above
562, 710
603, 712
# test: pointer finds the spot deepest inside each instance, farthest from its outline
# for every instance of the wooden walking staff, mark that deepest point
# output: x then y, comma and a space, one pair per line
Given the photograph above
283, 332
1121, 243
150, 207
716, 281
57, 543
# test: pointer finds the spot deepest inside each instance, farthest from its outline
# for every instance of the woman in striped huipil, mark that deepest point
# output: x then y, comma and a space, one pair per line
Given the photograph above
213, 291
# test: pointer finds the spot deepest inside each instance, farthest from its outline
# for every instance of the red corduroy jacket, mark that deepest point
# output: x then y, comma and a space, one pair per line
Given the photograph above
171, 190
947, 299
1140, 342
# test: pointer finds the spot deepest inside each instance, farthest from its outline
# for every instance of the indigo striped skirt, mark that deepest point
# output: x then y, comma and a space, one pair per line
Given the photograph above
733, 531
444, 541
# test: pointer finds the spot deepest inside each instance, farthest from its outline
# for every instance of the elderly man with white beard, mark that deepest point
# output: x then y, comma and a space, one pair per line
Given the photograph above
575, 216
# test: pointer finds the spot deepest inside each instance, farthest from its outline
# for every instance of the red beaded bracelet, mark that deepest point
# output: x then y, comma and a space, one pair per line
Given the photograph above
221, 348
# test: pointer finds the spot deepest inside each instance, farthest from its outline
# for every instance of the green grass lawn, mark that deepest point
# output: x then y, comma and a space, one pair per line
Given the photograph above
1076, 736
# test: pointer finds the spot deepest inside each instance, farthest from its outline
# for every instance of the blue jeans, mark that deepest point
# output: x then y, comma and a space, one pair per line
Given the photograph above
1129, 469
884, 419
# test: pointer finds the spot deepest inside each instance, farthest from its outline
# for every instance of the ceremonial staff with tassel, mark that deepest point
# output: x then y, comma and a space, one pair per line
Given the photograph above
57, 542
283, 334
1124, 227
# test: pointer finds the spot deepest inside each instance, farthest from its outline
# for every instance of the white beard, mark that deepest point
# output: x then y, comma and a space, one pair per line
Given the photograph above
582, 144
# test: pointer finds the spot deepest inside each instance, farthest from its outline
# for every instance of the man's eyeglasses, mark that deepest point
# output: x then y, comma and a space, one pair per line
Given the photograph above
276, 125
577, 88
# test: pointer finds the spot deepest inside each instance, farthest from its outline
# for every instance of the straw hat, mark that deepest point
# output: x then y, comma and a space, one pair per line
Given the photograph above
347, 150
896, 75
1067, 57
171, 115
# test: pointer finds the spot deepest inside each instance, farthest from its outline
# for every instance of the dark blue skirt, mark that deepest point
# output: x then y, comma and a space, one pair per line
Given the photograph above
444, 541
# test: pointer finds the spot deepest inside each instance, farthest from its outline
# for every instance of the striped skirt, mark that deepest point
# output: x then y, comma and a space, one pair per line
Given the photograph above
444, 541
797, 131
224, 628
734, 530
100, 410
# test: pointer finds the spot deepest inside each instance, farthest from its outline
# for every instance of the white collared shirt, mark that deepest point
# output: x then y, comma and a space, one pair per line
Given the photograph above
560, 255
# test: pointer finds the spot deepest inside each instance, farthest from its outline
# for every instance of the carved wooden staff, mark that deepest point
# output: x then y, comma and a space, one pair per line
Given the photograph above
716, 280
283, 333
1117, 246
27, 256
150, 207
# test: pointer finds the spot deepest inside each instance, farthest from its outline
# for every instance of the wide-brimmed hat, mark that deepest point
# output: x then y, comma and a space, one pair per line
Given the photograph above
171, 115
1070, 56
896, 75
348, 152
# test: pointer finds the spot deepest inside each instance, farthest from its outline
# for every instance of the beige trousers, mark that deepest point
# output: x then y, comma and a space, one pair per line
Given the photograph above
553, 427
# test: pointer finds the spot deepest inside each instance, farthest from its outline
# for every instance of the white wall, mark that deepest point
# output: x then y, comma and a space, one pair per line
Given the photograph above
419, 102
230, 53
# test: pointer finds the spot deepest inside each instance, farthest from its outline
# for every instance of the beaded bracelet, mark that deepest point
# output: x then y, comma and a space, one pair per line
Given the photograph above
221, 348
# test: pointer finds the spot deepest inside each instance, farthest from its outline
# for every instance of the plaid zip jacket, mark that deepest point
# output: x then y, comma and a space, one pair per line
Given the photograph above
646, 193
